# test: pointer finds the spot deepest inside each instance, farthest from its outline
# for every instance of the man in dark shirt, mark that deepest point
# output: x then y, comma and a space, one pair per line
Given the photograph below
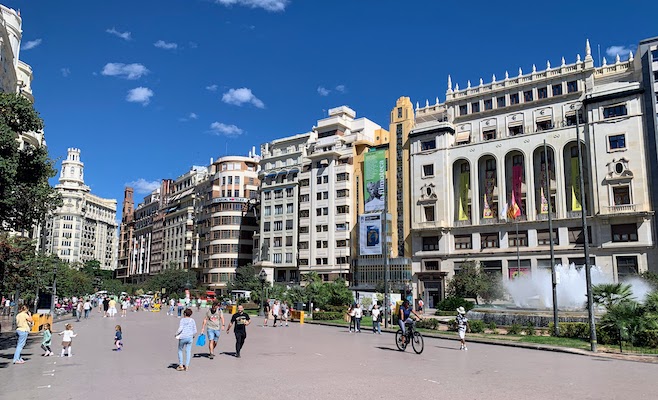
266, 311
106, 306
241, 320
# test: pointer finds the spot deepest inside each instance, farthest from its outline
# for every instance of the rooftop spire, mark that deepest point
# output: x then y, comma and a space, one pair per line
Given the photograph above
617, 59
449, 84
588, 51
468, 84
534, 68
506, 75
493, 78
563, 62
520, 71
630, 56
481, 82
605, 61
548, 64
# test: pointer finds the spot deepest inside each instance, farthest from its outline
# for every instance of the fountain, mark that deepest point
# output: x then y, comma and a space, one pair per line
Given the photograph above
533, 298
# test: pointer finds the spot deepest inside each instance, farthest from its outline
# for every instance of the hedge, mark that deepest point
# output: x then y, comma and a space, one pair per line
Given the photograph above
327, 315
452, 303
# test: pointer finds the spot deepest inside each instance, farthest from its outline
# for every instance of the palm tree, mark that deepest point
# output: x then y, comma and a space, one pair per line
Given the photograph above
611, 294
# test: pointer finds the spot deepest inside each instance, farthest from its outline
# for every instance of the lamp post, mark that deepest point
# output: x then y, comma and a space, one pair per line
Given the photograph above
263, 278
583, 214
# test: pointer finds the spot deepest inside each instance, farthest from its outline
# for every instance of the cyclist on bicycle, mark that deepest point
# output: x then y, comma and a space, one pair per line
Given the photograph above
404, 317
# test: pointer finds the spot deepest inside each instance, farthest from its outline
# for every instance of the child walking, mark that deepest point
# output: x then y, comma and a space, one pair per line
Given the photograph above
462, 327
67, 338
118, 337
46, 341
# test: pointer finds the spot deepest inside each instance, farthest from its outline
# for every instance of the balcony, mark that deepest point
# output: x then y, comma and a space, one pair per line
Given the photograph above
463, 223
622, 208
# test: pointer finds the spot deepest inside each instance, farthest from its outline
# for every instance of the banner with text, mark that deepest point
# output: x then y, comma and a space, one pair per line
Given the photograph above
370, 234
374, 180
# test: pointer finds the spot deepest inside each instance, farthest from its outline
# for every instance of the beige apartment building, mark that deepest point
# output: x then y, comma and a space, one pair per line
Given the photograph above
226, 222
84, 228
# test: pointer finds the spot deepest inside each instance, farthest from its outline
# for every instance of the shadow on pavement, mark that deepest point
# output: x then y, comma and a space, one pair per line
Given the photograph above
200, 355
173, 366
387, 348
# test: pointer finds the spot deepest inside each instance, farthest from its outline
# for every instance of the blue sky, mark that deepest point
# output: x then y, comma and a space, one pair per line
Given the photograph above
149, 88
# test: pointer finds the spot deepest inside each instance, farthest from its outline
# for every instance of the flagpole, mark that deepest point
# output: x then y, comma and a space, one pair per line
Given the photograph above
556, 327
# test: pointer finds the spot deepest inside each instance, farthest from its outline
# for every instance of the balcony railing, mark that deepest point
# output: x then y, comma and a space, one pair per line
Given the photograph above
544, 217
463, 223
622, 208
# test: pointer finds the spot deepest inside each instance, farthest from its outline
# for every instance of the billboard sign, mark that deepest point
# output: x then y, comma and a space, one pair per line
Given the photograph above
374, 180
370, 234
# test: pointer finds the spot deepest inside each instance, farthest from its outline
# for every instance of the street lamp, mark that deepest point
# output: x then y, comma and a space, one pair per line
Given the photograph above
263, 278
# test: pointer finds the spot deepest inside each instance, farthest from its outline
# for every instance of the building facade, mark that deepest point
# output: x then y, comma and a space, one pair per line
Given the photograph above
227, 221
482, 185
276, 243
84, 228
15, 75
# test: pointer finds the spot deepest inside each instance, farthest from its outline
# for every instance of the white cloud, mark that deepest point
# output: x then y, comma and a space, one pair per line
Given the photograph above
161, 44
143, 186
65, 72
323, 91
623, 51
189, 117
341, 88
122, 35
212, 88
269, 5
139, 95
241, 96
128, 71
193, 45
221, 129
31, 44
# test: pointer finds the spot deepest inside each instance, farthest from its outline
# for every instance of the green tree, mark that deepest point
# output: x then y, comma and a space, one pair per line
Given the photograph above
472, 282
610, 294
338, 293
26, 197
246, 278
173, 280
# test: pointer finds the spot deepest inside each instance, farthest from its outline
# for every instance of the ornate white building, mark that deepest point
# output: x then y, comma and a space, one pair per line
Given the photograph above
84, 228
15, 75
481, 152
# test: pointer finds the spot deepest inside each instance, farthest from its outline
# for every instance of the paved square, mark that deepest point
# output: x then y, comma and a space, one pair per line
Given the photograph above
306, 362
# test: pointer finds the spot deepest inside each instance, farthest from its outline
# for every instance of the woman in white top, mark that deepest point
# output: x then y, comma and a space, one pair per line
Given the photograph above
358, 314
376, 313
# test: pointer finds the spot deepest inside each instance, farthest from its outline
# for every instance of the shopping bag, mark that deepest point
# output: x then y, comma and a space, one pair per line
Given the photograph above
201, 340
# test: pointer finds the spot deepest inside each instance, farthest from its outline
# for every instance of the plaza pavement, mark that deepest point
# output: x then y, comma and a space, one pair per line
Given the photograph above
306, 362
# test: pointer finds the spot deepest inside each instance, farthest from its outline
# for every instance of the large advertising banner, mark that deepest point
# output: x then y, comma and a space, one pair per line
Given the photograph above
464, 180
374, 180
370, 234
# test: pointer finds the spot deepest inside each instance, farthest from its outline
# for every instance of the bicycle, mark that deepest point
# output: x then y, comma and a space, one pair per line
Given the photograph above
411, 335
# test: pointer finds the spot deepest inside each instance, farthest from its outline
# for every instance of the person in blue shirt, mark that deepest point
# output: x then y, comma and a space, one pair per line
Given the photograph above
404, 317
118, 337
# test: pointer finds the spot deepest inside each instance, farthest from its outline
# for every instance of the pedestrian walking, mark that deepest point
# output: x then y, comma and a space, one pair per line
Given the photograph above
180, 308
118, 337
125, 304
358, 314
86, 307
106, 306
276, 310
421, 303
79, 306
266, 311
112, 310
46, 341
376, 314
185, 334
24, 323
7, 307
284, 312
172, 306
462, 327
67, 340
214, 321
241, 320
351, 312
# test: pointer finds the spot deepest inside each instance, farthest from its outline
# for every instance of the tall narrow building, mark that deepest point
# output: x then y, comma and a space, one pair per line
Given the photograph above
84, 228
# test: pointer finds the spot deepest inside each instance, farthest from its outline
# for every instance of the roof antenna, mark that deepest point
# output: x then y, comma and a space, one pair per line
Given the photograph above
599, 47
